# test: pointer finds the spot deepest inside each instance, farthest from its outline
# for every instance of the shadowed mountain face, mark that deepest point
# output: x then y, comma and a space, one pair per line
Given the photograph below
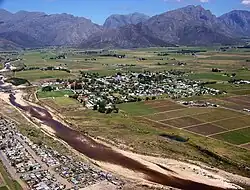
6, 45
130, 36
57, 29
238, 22
116, 21
191, 25
171, 26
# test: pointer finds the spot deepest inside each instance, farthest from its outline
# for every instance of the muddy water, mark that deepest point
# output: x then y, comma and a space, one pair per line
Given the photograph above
100, 152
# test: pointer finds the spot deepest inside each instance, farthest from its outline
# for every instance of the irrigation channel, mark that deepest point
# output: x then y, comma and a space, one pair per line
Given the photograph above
100, 152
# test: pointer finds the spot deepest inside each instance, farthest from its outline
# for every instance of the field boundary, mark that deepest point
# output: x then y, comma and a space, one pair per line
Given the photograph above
163, 112
205, 136
231, 131
196, 134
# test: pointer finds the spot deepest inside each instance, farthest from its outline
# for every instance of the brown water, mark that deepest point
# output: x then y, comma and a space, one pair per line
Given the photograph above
100, 152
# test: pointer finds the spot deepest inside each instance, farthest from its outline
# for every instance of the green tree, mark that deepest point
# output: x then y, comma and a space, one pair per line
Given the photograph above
102, 106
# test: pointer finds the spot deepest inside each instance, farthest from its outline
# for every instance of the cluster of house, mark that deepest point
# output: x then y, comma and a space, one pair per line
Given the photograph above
198, 104
25, 165
131, 87
46, 168
41, 180
241, 82
78, 173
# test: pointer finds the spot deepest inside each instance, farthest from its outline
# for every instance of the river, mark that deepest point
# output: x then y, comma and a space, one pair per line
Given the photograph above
100, 152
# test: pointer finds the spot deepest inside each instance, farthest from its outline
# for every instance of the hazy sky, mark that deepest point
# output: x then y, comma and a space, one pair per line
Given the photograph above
99, 10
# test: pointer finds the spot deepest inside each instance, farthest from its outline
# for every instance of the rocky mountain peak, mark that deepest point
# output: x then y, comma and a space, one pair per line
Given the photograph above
116, 20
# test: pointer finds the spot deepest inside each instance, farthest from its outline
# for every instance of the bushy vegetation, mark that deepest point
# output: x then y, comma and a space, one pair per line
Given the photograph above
18, 81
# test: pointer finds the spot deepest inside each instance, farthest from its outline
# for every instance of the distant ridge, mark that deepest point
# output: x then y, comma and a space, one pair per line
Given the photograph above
191, 25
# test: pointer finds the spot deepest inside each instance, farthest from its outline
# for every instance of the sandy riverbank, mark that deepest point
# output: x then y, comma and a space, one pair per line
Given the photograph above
181, 170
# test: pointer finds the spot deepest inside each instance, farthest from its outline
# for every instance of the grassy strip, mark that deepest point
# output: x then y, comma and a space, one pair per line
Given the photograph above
12, 184
59, 93
34, 75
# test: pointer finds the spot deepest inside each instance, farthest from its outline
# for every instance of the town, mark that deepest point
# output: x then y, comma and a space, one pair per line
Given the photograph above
104, 93
41, 167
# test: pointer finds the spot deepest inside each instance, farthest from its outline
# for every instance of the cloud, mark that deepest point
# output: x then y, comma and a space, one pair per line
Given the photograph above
246, 2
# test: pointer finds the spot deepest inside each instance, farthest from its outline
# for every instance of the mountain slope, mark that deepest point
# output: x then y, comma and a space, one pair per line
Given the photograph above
57, 29
171, 25
238, 22
129, 36
191, 25
4, 15
21, 39
6, 45
116, 21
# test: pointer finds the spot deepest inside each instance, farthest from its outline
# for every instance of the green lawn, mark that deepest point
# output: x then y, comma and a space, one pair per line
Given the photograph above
34, 75
59, 93
209, 76
237, 137
137, 108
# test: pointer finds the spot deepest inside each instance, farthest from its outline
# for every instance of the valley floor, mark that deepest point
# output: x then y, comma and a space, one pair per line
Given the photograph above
196, 171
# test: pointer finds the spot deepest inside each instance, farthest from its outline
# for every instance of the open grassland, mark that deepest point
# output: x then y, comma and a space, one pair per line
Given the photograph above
61, 103
56, 93
64, 101
35, 75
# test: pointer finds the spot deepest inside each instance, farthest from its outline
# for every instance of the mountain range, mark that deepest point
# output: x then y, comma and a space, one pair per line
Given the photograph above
191, 25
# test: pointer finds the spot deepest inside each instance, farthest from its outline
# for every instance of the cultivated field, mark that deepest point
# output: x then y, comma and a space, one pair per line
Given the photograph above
212, 122
214, 135
220, 123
